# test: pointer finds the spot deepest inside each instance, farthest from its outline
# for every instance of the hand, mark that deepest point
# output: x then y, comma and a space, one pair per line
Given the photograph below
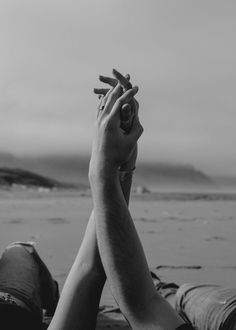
128, 110
112, 147
130, 163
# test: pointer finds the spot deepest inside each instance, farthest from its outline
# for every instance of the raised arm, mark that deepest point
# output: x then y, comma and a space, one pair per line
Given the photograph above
119, 245
79, 301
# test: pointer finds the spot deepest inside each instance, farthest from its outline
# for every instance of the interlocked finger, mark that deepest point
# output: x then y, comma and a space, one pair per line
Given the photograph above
103, 99
101, 91
123, 99
108, 80
111, 98
122, 80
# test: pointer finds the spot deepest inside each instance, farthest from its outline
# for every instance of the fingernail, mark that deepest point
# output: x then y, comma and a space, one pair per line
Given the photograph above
127, 76
135, 89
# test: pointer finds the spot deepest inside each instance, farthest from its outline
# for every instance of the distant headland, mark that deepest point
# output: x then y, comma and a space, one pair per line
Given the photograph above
72, 171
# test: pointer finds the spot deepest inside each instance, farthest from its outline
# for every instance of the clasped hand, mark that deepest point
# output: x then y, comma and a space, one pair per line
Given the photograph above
112, 146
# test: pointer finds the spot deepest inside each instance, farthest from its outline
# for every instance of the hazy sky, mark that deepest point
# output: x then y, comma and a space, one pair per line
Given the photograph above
182, 54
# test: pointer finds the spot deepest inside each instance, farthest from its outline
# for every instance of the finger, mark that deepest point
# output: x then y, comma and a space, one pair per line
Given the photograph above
126, 117
112, 98
101, 91
125, 98
105, 98
100, 99
108, 80
122, 80
125, 112
136, 129
136, 107
100, 105
103, 101
113, 82
105, 93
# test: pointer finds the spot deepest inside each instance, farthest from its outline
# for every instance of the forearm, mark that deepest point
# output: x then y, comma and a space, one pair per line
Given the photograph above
79, 301
126, 174
88, 255
125, 179
120, 248
78, 307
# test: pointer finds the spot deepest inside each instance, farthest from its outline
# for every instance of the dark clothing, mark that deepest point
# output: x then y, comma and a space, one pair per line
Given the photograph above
207, 307
26, 287
185, 327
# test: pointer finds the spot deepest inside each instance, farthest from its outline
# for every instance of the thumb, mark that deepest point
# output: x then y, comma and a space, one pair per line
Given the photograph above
125, 98
125, 112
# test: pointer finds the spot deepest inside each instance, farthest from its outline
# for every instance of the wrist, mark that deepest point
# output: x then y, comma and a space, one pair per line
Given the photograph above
101, 170
125, 175
130, 166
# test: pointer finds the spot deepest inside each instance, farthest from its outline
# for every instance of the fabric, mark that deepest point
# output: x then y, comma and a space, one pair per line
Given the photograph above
185, 327
207, 307
19, 276
24, 275
14, 317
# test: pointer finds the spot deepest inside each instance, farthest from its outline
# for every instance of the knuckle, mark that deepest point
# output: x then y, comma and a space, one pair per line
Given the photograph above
128, 85
113, 82
120, 102
112, 96
115, 93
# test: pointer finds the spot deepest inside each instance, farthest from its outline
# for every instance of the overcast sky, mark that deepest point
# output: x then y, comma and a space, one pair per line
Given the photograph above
182, 55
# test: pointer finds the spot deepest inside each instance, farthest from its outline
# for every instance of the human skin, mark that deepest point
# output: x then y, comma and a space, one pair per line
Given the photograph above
79, 301
128, 110
120, 249
111, 234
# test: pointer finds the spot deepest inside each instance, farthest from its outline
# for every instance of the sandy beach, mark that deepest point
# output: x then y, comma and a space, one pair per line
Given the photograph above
184, 240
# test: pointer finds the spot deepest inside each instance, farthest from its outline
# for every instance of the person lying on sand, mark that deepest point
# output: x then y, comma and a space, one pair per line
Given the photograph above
26, 288
111, 247
205, 306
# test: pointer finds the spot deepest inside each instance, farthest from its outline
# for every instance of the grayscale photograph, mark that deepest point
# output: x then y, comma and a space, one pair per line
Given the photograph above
117, 165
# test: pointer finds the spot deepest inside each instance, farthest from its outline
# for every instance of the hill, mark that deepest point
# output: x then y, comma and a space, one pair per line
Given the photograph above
13, 177
73, 170
172, 175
